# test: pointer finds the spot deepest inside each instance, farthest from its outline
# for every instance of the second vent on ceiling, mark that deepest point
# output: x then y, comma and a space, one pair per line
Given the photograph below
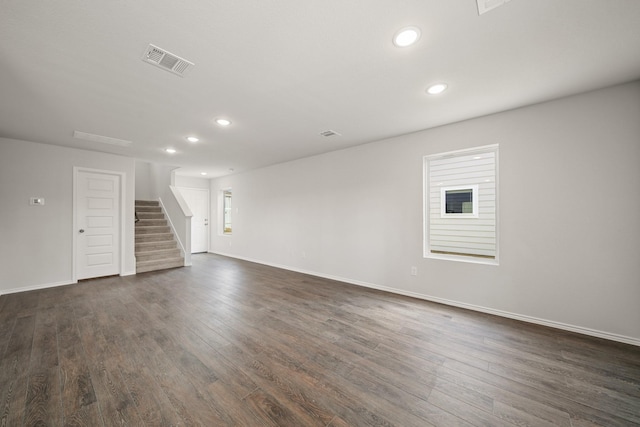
166, 60
485, 6
328, 133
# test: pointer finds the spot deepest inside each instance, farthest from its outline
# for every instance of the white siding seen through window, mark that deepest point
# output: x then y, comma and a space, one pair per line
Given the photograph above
461, 193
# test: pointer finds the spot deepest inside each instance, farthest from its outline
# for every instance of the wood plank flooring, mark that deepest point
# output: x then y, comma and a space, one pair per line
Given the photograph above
232, 343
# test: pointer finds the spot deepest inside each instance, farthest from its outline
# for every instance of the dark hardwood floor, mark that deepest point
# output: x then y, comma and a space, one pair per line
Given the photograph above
228, 342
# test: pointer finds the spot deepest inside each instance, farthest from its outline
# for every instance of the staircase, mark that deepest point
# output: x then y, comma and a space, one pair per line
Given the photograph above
156, 247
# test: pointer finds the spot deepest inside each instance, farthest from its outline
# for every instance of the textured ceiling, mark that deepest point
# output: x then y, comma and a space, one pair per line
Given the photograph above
283, 71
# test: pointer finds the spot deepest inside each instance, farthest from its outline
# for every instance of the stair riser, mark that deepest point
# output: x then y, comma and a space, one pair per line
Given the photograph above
155, 246
151, 222
154, 209
163, 237
159, 265
150, 215
152, 230
142, 257
147, 203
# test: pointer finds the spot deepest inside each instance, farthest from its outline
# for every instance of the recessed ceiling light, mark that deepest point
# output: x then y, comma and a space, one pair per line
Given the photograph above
203, 173
406, 36
223, 122
170, 150
192, 139
436, 88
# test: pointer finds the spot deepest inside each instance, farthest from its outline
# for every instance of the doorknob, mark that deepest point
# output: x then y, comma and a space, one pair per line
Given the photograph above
81, 230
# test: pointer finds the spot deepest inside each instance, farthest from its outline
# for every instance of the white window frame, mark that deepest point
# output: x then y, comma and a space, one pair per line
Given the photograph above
427, 217
223, 223
474, 201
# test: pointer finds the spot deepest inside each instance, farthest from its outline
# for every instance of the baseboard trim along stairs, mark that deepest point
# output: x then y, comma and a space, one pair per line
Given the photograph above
156, 246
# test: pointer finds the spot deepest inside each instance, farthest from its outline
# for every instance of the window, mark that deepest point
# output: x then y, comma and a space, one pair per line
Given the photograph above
459, 202
226, 212
460, 197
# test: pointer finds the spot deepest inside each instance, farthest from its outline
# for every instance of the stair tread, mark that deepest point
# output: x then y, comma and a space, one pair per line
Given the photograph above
155, 243
156, 234
157, 261
149, 229
160, 261
163, 250
166, 236
150, 268
157, 251
146, 248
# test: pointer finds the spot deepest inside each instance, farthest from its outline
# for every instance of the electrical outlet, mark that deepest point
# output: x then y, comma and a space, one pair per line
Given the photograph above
414, 271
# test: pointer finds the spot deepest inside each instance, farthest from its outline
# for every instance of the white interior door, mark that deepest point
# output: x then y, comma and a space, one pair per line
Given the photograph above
97, 224
198, 201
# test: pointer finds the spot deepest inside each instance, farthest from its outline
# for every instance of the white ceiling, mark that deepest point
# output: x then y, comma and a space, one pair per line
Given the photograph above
285, 70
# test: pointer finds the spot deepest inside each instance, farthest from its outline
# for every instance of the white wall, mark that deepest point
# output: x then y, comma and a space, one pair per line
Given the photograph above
153, 180
191, 182
143, 180
36, 242
569, 232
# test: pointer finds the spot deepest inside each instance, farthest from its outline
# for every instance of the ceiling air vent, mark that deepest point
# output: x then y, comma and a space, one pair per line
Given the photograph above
485, 6
99, 138
328, 133
166, 60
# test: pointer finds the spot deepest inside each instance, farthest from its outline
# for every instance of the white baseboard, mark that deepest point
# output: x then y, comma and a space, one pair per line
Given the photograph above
36, 287
501, 313
51, 285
